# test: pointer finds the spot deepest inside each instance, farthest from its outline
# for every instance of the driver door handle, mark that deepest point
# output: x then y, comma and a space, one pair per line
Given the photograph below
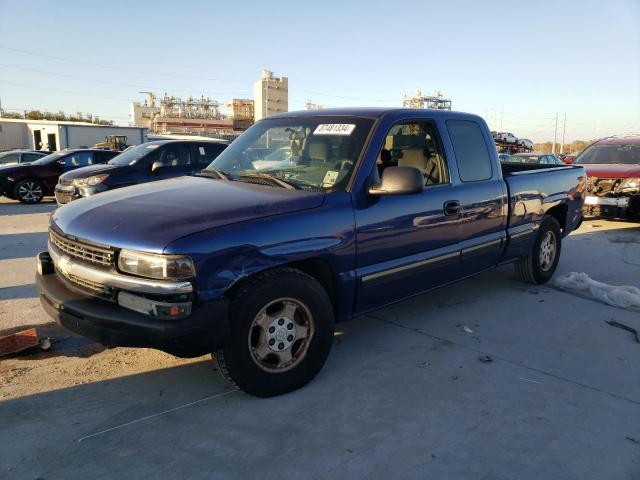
451, 208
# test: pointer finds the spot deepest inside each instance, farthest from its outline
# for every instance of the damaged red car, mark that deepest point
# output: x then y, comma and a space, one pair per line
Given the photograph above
613, 177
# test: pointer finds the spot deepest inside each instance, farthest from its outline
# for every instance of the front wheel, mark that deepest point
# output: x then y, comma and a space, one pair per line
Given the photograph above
281, 332
29, 191
538, 267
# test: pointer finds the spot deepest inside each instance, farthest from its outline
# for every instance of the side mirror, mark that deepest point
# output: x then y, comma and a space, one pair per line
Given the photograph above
399, 181
156, 166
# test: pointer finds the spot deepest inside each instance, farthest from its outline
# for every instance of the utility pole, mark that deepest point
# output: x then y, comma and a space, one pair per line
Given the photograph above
501, 118
564, 129
555, 135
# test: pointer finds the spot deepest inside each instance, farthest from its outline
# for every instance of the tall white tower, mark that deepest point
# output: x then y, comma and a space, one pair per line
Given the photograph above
271, 95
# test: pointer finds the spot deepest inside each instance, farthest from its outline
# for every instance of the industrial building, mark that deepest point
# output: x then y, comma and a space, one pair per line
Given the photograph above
192, 116
58, 135
436, 101
202, 116
271, 95
242, 111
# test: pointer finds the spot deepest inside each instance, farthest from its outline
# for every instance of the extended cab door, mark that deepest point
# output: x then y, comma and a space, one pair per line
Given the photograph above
482, 196
407, 244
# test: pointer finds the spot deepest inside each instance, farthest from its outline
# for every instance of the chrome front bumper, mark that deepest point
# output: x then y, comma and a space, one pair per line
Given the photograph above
65, 194
169, 300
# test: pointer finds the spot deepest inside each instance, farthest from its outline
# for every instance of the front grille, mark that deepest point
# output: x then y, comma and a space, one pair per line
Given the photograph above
87, 285
63, 197
82, 251
602, 186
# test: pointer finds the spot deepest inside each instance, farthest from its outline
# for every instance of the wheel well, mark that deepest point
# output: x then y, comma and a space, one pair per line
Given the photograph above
559, 212
324, 274
316, 268
23, 179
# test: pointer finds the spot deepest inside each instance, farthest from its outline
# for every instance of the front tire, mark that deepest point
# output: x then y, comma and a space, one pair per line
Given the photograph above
29, 191
282, 326
539, 266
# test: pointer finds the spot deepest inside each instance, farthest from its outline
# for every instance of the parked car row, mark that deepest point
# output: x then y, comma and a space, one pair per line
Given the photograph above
147, 162
31, 182
75, 173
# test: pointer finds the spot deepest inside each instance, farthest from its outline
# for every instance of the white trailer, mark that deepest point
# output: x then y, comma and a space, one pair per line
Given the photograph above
53, 135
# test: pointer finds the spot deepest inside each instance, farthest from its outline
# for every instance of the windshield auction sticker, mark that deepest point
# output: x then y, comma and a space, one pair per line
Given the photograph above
330, 178
334, 129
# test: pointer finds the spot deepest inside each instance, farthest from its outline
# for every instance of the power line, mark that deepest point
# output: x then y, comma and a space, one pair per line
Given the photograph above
110, 82
147, 72
507, 114
113, 67
65, 91
312, 92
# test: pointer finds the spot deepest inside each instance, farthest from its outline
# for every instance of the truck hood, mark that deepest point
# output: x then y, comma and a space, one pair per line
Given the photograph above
148, 217
611, 170
89, 171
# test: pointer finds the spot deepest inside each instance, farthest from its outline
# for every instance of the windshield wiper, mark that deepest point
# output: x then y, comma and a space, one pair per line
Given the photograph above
219, 173
277, 180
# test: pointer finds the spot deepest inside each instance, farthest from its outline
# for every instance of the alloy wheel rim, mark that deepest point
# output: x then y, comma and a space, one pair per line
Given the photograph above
30, 191
280, 334
548, 248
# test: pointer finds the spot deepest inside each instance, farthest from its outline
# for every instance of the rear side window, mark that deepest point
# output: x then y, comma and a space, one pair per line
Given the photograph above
9, 158
472, 155
80, 159
31, 157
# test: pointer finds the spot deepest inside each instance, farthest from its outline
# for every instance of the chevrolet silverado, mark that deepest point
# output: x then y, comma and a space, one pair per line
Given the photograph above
255, 261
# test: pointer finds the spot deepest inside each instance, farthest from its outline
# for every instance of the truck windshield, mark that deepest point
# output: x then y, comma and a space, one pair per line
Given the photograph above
624, 154
317, 152
132, 155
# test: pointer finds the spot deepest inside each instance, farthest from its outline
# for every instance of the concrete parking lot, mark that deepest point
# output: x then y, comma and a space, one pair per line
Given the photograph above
403, 394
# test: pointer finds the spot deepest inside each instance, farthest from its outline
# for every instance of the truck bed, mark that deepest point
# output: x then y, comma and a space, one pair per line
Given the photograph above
508, 168
533, 192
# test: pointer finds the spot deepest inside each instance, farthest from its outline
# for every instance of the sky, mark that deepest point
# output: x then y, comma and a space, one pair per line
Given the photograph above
517, 64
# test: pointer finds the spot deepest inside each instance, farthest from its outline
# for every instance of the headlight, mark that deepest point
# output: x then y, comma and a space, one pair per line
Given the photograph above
90, 181
629, 184
175, 267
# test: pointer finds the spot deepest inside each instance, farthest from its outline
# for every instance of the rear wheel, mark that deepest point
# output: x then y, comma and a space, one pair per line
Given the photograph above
538, 267
29, 191
281, 333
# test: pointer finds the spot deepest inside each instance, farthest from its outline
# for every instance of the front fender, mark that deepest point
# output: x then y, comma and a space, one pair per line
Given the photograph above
227, 255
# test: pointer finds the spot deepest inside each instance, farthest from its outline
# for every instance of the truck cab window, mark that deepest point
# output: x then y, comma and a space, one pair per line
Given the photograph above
472, 155
414, 144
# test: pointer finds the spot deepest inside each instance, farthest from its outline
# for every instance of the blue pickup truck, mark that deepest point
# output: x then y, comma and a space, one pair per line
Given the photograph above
254, 261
